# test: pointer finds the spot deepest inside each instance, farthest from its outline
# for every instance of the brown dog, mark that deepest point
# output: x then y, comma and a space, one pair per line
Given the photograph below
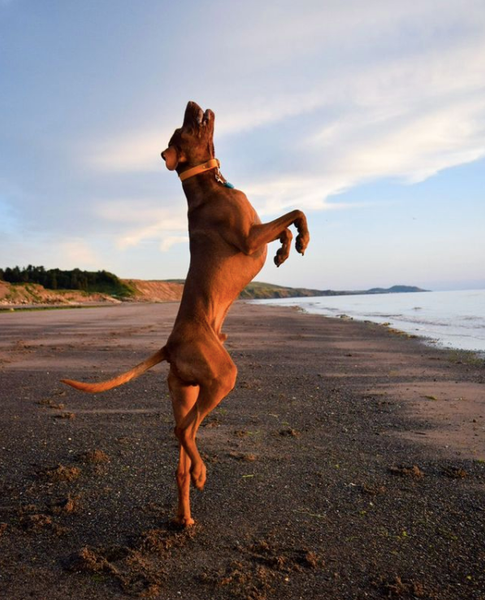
227, 249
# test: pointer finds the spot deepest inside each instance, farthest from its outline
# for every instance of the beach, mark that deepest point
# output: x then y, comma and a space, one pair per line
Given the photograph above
348, 463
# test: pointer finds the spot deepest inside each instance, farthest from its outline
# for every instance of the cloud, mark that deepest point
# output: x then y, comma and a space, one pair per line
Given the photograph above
260, 111
171, 240
145, 221
136, 151
422, 145
62, 252
412, 105
78, 252
399, 118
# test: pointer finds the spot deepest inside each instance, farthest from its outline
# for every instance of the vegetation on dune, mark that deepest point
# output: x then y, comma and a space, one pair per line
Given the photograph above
75, 279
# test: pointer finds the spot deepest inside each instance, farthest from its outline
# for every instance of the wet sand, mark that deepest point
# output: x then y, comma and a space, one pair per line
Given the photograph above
349, 462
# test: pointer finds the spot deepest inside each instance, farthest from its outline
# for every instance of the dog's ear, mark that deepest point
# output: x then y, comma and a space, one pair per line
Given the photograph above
193, 115
173, 158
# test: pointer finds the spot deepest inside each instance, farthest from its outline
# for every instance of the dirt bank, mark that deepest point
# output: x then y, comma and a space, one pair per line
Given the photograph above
33, 294
155, 291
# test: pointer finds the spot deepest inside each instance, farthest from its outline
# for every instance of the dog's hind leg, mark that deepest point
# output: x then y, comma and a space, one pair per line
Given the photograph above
209, 397
212, 368
184, 516
183, 399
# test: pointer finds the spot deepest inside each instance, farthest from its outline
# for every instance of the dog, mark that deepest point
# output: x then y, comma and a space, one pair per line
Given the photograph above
228, 246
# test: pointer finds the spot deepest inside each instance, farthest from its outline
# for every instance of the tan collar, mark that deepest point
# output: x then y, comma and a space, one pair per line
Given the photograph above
213, 163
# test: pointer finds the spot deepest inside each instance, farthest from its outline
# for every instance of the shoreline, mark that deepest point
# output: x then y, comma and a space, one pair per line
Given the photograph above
439, 322
348, 462
427, 340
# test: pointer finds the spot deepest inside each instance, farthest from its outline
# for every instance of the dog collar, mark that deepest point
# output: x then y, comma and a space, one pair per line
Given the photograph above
213, 163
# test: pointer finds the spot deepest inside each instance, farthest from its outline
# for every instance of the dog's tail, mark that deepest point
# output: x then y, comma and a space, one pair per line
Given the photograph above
102, 386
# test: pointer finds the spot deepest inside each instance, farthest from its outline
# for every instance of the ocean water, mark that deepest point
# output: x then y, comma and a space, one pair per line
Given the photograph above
449, 319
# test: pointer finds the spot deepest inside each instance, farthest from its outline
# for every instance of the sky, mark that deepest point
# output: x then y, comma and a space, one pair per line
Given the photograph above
367, 115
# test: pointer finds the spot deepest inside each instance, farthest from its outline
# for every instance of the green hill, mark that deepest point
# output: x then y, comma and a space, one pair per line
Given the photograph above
259, 290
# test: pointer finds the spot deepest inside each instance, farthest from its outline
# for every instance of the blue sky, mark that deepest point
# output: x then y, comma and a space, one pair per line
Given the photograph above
369, 116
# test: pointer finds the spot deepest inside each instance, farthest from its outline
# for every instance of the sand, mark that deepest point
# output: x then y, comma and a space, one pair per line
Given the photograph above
349, 462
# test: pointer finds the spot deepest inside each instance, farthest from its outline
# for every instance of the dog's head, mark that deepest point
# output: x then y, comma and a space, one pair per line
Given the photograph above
192, 144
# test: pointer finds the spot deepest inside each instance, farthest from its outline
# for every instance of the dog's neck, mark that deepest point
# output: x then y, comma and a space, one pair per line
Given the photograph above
199, 188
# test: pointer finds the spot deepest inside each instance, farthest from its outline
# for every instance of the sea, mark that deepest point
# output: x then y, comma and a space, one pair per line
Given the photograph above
448, 319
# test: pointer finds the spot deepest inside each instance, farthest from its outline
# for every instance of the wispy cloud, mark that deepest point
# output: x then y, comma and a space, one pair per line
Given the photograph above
171, 240
402, 118
78, 252
404, 112
145, 221
133, 151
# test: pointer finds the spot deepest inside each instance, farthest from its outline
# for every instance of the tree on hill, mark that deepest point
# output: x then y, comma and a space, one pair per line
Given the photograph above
75, 279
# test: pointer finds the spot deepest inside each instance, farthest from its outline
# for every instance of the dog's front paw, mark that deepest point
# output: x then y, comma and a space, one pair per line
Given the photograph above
281, 255
302, 241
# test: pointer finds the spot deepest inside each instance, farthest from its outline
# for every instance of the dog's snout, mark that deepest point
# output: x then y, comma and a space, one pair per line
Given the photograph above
171, 158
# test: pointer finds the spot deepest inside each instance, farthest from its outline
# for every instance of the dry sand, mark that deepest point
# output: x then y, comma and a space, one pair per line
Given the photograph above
349, 462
